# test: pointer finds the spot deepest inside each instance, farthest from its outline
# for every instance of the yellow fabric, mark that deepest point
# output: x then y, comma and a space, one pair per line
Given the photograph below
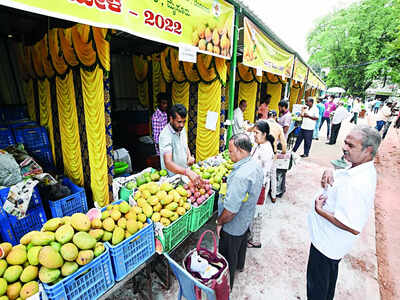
166, 72
177, 72
180, 94
93, 99
46, 116
68, 118
209, 99
102, 46
143, 93
294, 93
245, 73
248, 92
37, 59
83, 48
220, 66
275, 90
190, 71
140, 67
206, 70
58, 61
30, 99
47, 67
65, 37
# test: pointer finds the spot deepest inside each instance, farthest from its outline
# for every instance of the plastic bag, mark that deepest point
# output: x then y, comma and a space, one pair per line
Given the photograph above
10, 173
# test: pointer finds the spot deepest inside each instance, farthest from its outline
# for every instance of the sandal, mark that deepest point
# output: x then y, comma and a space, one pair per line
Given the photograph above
252, 245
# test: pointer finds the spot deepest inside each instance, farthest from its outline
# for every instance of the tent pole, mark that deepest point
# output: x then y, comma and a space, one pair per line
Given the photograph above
305, 85
232, 76
289, 82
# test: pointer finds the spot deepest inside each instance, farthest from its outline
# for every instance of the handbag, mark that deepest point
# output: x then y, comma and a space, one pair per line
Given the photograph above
261, 198
219, 282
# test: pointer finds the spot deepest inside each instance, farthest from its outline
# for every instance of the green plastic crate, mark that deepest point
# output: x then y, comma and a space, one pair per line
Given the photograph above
176, 231
125, 193
201, 214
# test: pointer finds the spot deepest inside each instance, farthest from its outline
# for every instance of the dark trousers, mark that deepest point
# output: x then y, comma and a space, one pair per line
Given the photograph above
328, 124
376, 109
379, 125
233, 248
280, 182
334, 133
354, 118
305, 135
322, 274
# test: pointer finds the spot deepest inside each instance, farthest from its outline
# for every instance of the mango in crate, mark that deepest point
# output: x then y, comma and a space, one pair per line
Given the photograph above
108, 224
52, 224
122, 223
146, 195
105, 214
166, 213
84, 240
68, 268
137, 195
29, 289
80, 222
84, 257
157, 207
3, 286
98, 249
115, 215
181, 211
50, 258
107, 236
131, 226
164, 221
13, 290
118, 236
153, 188
69, 252
172, 206
30, 273
155, 176
138, 210
64, 234
124, 207
3, 266
42, 238
17, 256
140, 225
56, 246
167, 200
127, 234
181, 191
12, 273
142, 218
148, 210
131, 215
166, 186
156, 217
26, 239
174, 217
186, 206
97, 234
96, 224
153, 200
33, 255
47, 275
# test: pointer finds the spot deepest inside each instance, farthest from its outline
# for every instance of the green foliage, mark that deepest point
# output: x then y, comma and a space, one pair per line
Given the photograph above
359, 44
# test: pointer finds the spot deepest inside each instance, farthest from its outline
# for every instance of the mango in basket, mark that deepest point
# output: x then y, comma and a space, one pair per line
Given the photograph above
165, 221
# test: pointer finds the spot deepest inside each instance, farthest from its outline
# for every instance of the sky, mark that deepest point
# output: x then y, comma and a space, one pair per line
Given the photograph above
292, 20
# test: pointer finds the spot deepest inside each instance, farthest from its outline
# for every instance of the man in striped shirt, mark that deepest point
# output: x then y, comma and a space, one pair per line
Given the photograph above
159, 119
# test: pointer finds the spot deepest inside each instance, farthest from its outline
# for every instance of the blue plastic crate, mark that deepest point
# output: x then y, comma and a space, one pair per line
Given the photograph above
21, 123
6, 137
88, 283
12, 229
76, 202
43, 156
32, 138
132, 252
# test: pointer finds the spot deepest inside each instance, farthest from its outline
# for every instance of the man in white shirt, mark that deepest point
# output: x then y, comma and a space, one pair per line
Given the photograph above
356, 110
239, 125
383, 116
340, 114
341, 211
310, 116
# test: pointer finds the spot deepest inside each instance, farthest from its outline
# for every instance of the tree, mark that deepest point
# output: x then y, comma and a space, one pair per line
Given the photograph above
358, 44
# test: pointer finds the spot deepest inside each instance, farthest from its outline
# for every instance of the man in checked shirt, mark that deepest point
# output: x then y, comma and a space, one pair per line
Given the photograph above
159, 119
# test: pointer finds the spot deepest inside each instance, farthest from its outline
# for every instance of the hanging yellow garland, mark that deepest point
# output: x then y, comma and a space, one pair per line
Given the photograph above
58, 61
178, 74
83, 48
65, 37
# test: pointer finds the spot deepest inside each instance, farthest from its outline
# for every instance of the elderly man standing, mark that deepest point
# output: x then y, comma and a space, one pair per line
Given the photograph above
236, 212
341, 211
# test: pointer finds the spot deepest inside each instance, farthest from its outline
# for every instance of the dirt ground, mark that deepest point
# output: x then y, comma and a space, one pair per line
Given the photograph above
278, 269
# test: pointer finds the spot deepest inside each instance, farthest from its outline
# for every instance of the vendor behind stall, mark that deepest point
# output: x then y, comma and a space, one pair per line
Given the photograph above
239, 125
159, 119
174, 151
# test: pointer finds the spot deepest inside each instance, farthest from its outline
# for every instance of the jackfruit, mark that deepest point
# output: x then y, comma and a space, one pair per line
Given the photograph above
84, 257
50, 258
47, 275
17, 256
29, 274
80, 222
29, 289
84, 240
64, 234
69, 252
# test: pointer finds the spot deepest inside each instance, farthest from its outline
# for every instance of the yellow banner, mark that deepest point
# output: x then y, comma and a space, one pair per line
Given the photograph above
300, 71
312, 80
262, 53
204, 24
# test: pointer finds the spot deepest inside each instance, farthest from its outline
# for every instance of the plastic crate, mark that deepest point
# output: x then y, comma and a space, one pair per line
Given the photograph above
87, 283
176, 231
6, 137
12, 229
32, 138
20, 123
201, 214
76, 202
43, 156
132, 252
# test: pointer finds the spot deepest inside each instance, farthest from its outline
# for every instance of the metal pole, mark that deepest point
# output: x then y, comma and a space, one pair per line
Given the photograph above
305, 84
232, 76
289, 82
